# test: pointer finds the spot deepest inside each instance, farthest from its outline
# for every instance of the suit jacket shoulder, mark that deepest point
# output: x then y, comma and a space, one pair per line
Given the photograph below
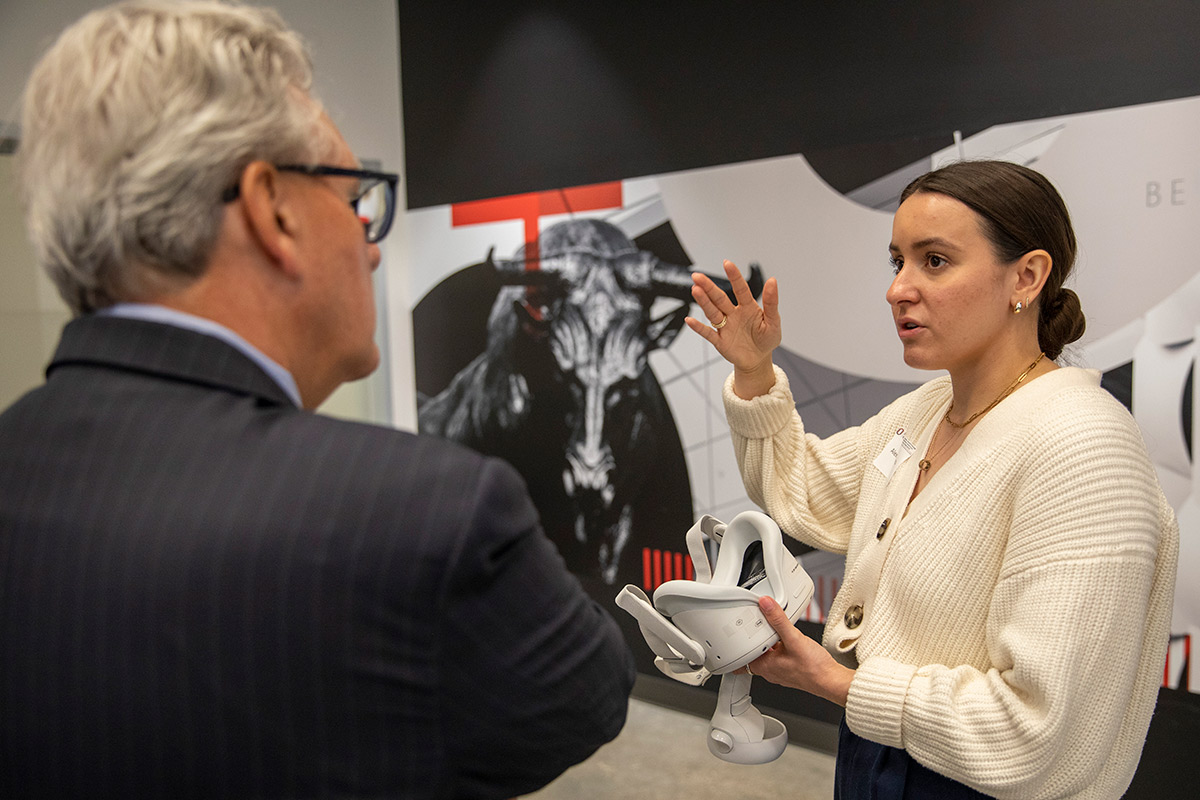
217, 593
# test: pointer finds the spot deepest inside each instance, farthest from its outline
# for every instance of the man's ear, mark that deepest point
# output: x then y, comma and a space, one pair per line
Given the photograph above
1033, 269
269, 219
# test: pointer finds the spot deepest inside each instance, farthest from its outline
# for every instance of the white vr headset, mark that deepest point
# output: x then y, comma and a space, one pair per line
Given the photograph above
712, 625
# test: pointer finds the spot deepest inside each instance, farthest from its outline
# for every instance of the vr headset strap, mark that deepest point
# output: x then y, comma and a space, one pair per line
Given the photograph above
712, 528
666, 640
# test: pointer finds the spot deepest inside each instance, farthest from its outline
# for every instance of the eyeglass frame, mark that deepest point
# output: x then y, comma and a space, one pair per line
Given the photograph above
320, 170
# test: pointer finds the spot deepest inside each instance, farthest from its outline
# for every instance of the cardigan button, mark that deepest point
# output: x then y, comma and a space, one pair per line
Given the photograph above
883, 526
854, 615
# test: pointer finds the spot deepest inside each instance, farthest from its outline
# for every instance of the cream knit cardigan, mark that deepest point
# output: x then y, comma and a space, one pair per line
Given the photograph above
1015, 617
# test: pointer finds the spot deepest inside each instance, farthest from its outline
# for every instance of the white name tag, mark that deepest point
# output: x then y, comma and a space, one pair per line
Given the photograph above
896, 453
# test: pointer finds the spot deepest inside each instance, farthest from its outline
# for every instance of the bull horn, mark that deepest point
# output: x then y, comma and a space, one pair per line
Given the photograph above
672, 280
514, 273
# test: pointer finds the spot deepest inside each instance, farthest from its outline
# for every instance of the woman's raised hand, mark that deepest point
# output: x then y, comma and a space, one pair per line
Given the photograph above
744, 334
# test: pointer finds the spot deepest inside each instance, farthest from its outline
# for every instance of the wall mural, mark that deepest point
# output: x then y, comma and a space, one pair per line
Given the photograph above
564, 391
566, 356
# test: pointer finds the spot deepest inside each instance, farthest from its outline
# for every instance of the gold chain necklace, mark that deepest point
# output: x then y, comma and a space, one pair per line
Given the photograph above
1011, 388
925, 463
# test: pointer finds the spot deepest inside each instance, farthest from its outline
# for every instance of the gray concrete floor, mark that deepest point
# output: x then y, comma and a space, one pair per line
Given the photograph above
661, 753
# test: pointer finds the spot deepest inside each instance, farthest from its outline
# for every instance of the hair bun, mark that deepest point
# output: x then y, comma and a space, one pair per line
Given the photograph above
1061, 322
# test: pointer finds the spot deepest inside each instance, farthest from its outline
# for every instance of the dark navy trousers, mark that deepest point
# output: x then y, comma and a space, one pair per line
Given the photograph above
869, 771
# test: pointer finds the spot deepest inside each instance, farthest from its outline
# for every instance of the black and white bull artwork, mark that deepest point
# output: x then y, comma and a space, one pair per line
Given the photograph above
564, 390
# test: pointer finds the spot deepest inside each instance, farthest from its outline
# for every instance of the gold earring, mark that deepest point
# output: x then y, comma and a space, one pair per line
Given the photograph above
1019, 307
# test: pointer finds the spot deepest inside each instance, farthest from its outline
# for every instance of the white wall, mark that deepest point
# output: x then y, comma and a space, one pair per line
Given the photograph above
31, 313
356, 52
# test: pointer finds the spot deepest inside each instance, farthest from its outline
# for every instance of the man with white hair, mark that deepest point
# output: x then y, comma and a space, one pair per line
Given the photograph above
205, 589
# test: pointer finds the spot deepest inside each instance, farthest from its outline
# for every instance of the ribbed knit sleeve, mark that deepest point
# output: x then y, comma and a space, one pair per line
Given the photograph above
807, 485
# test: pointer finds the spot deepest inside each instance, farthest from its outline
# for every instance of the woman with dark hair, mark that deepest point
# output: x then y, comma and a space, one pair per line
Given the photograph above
1010, 557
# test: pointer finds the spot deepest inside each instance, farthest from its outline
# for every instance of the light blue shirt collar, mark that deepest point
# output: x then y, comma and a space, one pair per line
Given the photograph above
181, 319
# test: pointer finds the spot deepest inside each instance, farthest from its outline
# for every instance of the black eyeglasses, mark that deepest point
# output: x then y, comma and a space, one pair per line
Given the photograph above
374, 201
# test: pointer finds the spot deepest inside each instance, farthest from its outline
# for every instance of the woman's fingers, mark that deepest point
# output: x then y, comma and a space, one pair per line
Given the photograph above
716, 301
707, 331
765, 664
770, 302
801, 662
705, 301
710, 297
741, 289
777, 619
744, 333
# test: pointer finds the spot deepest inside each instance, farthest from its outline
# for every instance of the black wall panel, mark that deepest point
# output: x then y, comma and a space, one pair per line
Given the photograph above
523, 96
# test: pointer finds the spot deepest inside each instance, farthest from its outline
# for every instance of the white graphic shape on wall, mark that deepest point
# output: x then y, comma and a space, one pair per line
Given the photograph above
1131, 178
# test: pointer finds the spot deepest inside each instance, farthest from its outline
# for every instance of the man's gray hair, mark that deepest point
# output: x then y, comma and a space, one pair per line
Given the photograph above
135, 122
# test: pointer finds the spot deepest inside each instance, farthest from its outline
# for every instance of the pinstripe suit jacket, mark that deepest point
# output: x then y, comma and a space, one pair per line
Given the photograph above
207, 592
